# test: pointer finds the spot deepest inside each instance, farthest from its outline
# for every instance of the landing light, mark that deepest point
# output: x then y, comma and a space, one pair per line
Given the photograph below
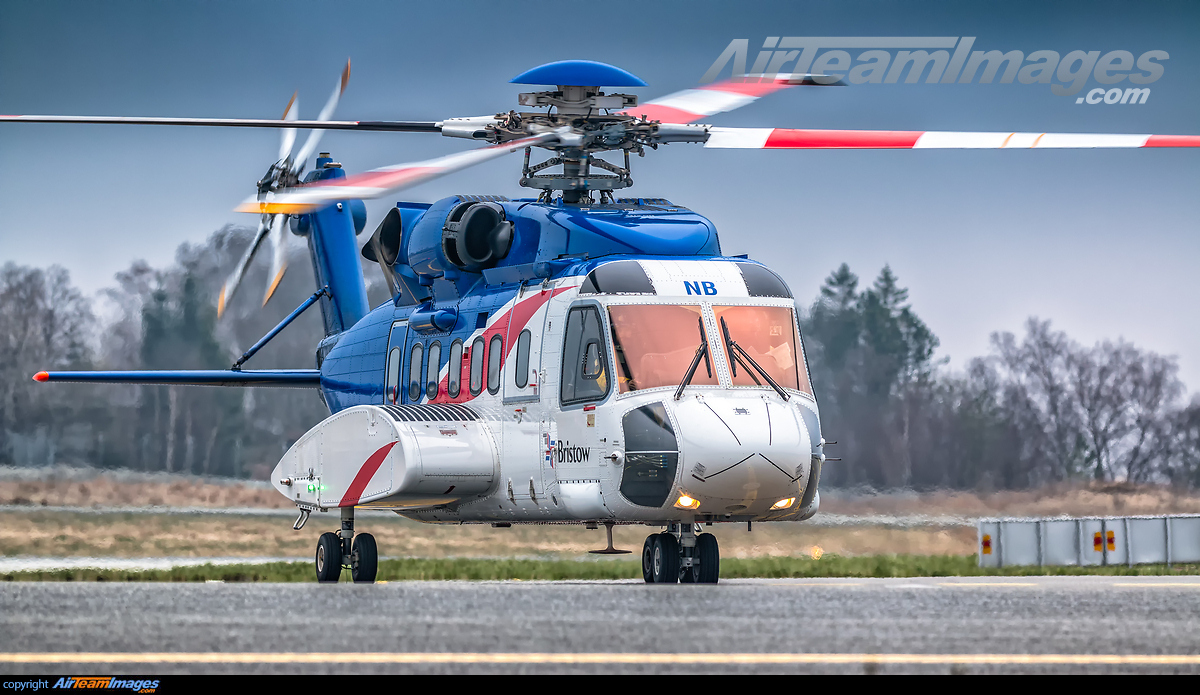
784, 504
685, 502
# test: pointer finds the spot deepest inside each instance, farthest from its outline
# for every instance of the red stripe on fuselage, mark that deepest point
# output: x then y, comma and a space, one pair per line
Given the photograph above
516, 317
368, 470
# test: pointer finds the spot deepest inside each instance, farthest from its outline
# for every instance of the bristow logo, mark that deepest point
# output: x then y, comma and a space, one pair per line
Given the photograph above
696, 287
565, 453
808, 54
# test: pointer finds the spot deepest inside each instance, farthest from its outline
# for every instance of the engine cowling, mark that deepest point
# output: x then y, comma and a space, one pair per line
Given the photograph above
392, 457
476, 236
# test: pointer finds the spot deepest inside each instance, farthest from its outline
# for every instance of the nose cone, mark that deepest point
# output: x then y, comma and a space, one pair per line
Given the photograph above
742, 454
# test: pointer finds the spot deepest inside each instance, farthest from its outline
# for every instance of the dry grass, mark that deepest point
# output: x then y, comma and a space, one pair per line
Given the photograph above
1096, 499
1072, 500
53, 533
104, 491
65, 534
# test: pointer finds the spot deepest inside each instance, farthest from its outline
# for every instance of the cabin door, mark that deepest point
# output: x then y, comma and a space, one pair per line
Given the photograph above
521, 442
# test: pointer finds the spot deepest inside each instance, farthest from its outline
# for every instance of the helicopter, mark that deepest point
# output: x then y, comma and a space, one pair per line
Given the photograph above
572, 357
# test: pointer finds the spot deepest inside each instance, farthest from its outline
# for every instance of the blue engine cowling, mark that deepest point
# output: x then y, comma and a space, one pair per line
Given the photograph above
521, 236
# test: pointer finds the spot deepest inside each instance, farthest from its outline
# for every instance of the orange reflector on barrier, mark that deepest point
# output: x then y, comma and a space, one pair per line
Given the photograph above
1112, 540
1097, 543
987, 544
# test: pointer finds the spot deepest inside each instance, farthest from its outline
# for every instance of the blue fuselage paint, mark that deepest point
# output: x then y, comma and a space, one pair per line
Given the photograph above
551, 241
331, 236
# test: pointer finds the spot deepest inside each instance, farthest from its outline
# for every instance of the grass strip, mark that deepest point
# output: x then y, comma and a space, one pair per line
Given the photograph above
863, 566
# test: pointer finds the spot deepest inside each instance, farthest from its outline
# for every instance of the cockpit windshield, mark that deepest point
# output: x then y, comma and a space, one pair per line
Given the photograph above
768, 334
655, 344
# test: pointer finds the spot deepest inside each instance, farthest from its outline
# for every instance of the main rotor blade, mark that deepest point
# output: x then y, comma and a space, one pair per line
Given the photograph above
693, 104
378, 182
278, 240
390, 126
788, 139
235, 278
310, 145
288, 136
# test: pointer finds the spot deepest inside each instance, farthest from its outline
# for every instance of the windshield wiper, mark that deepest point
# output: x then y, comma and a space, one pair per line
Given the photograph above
741, 356
701, 351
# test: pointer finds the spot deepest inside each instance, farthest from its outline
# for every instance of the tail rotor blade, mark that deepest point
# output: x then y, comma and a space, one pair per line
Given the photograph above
314, 137
278, 254
235, 278
288, 135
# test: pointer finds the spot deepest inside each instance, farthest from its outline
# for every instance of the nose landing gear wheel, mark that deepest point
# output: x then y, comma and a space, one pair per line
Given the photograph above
665, 561
329, 558
364, 559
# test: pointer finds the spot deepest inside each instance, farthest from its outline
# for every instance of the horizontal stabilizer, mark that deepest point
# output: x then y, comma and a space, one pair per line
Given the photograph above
286, 378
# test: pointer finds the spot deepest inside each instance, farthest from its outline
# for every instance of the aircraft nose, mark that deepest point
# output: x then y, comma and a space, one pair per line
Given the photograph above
741, 455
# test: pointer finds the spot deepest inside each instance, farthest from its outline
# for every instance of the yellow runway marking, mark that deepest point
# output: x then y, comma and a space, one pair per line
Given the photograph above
591, 658
1157, 584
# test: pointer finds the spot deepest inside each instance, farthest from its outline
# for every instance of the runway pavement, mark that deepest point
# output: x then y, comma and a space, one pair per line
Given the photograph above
946, 625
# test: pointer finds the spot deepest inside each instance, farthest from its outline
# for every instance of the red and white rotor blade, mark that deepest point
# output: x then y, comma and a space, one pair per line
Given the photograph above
790, 139
693, 104
379, 182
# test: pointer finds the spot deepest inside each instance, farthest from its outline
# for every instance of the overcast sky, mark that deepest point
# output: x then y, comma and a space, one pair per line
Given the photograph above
1103, 243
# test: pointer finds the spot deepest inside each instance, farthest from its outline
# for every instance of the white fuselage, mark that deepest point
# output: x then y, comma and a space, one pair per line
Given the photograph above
592, 433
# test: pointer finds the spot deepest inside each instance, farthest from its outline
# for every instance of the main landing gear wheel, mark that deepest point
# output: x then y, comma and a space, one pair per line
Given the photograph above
364, 559
709, 556
648, 559
329, 558
665, 561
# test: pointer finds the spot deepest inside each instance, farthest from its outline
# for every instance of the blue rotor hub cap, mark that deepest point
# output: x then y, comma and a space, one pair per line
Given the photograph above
579, 73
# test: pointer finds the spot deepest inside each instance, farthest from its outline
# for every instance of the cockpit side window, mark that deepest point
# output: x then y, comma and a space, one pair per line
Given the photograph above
585, 360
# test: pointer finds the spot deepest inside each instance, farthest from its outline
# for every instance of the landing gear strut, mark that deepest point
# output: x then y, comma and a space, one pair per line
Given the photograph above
679, 554
336, 551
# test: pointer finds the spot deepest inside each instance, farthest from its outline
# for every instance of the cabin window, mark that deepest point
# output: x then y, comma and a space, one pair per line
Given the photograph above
454, 369
391, 383
521, 370
414, 372
495, 357
433, 371
585, 361
477, 366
